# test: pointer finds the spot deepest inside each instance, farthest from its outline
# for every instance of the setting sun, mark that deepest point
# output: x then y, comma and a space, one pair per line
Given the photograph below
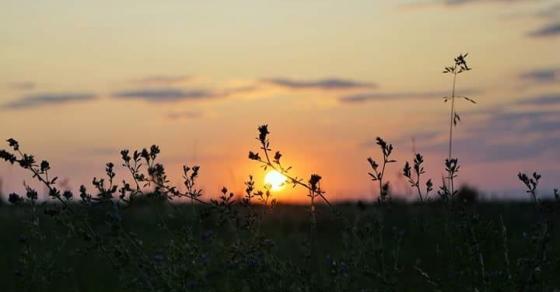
275, 180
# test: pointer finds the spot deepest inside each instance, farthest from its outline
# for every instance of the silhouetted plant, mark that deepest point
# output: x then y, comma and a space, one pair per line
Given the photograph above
532, 265
40, 170
531, 182
452, 169
460, 66
274, 163
414, 177
378, 172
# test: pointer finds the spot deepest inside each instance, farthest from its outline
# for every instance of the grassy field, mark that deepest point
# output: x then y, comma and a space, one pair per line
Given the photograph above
358, 247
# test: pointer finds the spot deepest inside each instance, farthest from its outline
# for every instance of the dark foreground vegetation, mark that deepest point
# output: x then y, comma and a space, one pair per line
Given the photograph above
145, 234
165, 247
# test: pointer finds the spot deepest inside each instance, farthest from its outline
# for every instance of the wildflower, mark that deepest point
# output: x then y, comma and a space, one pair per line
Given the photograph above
67, 195
277, 157
13, 143
44, 166
27, 161
125, 156
254, 156
7, 156
314, 182
263, 133
14, 198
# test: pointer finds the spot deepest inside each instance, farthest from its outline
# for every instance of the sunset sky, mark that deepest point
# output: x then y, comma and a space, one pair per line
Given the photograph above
81, 80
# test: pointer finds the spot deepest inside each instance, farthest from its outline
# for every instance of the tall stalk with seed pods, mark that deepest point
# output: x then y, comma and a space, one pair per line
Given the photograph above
460, 65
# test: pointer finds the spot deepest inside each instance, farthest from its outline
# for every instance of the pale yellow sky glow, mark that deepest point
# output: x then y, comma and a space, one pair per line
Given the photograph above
81, 80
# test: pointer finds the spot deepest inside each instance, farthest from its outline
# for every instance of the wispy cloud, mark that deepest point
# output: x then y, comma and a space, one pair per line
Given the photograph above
239, 90
548, 30
163, 80
390, 96
22, 85
184, 115
48, 99
456, 3
544, 100
460, 2
546, 75
503, 136
322, 84
551, 28
156, 95
506, 133
550, 12
535, 132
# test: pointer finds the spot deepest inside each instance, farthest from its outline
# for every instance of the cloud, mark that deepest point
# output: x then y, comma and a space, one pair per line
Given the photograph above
166, 94
322, 84
184, 115
535, 132
550, 12
40, 100
523, 123
551, 28
456, 3
505, 133
544, 100
163, 79
548, 30
502, 136
390, 96
22, 85
240, 89
547, 75
460, 2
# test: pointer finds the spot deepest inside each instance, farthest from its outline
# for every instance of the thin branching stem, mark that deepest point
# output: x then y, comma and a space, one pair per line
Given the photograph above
452, 117
268, 163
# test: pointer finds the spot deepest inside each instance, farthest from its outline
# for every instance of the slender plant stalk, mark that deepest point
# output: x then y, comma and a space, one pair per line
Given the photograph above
376, 174
459, 66
452, 117
275, 164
